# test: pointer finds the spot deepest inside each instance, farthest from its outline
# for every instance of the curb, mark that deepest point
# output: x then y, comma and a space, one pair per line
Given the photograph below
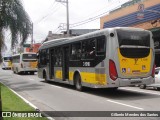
32, 105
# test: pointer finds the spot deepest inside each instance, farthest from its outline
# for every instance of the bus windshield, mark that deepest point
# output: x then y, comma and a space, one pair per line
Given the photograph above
133, 38
6, 59
29, 57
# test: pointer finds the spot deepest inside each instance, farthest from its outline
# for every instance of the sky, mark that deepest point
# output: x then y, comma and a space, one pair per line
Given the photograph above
48, 15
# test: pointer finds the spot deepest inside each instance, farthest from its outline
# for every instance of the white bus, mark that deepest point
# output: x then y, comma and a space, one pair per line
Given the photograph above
6, 62
24, 62
108, 58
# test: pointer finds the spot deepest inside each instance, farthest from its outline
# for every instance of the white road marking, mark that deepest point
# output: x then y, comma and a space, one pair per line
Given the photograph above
140, 91
56, 86
31, 79
125, 105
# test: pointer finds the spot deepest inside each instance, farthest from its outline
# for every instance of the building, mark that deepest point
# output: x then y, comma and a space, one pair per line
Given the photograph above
77, 32
136, 13
33, 48
73, 32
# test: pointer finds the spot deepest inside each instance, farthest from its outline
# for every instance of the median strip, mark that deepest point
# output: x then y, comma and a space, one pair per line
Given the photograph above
17, 106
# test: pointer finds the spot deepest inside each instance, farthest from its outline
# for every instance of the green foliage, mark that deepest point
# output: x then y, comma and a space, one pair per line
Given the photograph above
14, 17
11, 102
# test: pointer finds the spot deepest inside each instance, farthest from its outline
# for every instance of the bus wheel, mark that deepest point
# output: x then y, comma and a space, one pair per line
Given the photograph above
158, 88
45, 77
78, 83
143, 86
16, 70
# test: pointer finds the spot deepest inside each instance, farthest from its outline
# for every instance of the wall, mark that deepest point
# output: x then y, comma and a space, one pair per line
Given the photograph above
128, 16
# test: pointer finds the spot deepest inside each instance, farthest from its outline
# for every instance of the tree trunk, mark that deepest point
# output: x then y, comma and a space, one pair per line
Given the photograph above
0, 104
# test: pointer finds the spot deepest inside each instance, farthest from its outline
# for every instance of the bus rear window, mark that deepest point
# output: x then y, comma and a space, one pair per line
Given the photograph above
7, 58
134, 44
29, 56
133, 38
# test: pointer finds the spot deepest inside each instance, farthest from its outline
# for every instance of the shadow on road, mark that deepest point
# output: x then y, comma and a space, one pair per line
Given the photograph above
22, 86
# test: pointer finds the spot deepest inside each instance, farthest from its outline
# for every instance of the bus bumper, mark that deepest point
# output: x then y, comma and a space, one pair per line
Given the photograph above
139, 81
29, 70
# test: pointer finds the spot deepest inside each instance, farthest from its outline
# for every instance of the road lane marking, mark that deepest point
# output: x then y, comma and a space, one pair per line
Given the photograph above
125, 105
56, 86
140, 91
31, 79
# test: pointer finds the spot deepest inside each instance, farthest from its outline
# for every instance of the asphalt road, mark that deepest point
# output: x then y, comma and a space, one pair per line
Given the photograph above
61, 97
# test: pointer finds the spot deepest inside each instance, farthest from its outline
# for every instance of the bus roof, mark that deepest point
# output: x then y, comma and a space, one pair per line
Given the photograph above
56, 42
24, 53
51, 42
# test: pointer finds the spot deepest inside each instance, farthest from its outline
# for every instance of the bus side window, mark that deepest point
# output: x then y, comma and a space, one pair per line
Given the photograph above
88, 49
76, 51
42, 56
58, 57
100, 45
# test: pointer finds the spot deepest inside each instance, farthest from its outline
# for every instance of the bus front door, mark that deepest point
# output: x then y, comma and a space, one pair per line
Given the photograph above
65, 63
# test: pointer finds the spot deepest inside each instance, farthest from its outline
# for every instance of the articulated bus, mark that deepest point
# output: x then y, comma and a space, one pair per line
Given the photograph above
108, 58
6, 62
24, 62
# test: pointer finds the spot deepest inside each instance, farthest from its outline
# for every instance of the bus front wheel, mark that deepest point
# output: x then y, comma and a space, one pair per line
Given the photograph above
78, 83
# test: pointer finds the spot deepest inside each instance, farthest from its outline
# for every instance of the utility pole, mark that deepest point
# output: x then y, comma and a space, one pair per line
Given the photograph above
67, 11
31, 47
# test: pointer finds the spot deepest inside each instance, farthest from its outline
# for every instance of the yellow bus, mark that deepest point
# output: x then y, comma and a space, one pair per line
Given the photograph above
108, 58
24, 62
6, 62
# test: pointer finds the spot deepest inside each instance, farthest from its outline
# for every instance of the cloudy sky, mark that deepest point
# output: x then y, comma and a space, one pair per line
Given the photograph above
47, 15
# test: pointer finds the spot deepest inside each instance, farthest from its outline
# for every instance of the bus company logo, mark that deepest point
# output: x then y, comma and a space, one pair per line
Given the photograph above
124, 60
143, 67
135, 61
123, 70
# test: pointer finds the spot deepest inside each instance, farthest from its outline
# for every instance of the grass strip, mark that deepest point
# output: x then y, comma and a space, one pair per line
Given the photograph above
11, 102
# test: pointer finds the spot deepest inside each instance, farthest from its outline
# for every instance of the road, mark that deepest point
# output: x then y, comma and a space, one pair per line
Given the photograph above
60, 97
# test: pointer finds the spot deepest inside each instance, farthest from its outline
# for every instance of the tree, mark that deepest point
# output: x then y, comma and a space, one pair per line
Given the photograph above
13, 17
0, 102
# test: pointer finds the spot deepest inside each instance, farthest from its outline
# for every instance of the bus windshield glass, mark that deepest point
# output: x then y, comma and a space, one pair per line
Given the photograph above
6, 59
28, 57
133, 38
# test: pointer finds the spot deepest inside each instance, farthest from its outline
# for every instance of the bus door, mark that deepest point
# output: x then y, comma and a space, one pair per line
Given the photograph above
65, 61
52, 61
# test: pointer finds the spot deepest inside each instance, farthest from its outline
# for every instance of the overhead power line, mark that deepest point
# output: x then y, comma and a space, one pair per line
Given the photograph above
93, 18
49, 14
